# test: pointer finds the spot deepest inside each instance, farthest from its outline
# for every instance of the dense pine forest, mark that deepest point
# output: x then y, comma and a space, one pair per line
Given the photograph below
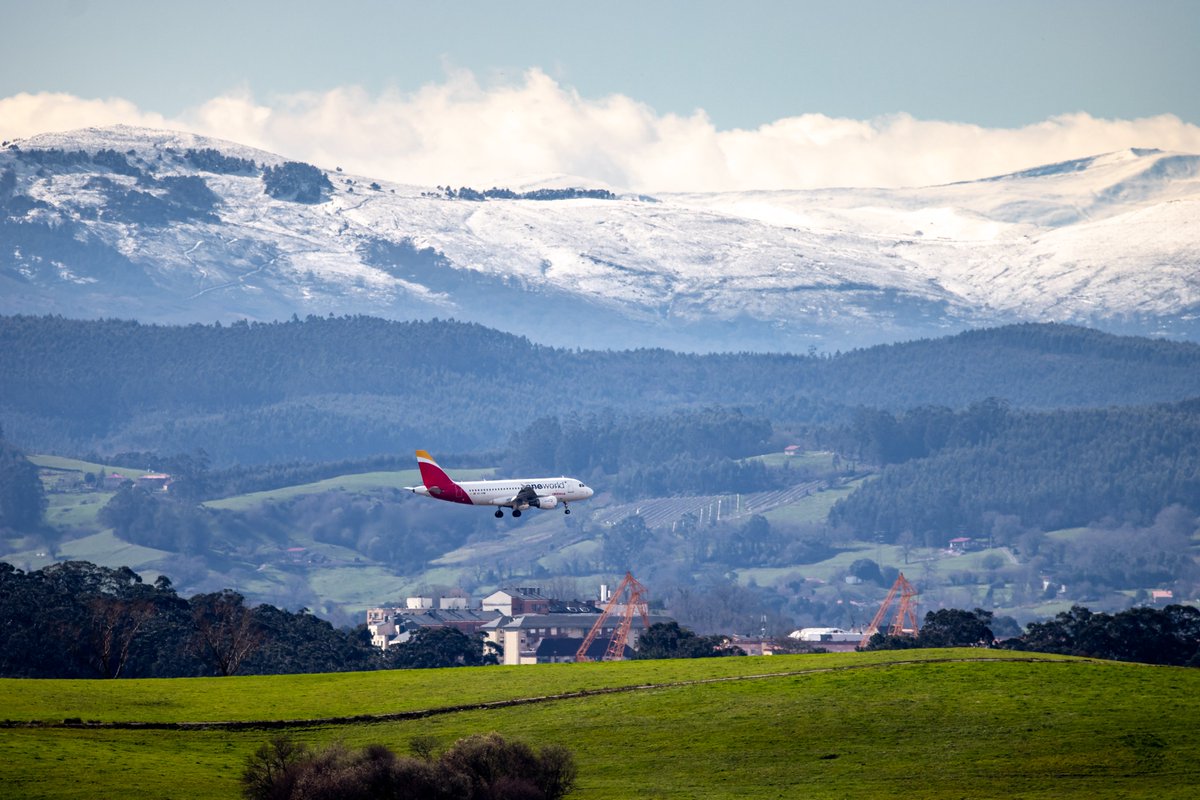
948, 471
324, 389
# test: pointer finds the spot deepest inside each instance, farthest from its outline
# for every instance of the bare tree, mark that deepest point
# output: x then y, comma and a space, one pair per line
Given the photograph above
225, 632
111, 626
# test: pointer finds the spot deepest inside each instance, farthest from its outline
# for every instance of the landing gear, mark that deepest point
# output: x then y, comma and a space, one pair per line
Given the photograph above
565, 509
516, 512
499, 514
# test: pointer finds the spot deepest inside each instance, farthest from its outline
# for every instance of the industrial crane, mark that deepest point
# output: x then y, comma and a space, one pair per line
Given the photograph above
638, 598
906, 611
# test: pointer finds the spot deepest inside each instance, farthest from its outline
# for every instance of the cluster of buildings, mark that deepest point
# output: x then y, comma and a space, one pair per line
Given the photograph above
524, 624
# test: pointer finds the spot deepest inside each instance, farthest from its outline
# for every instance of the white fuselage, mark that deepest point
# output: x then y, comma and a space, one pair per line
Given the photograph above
515, 493
504, 492
498, 493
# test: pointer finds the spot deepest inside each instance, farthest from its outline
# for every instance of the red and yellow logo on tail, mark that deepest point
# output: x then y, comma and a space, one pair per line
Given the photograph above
438, 482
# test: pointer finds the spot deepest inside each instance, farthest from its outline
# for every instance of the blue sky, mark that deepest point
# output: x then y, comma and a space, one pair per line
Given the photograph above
998, 67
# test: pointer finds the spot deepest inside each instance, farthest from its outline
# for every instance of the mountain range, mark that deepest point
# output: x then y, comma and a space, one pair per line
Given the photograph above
169, 227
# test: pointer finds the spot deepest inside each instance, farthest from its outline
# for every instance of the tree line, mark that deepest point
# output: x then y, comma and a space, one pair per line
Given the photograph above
339, 388
496, 193
1169, 635
79, 620
669, 640
22, 497
76, 619
945, 472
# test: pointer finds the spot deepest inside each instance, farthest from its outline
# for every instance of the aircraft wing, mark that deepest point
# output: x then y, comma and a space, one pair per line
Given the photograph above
527, 495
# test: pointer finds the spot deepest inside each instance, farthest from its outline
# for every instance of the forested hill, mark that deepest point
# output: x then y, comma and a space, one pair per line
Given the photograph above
330, 388
1051, 469
1030, 366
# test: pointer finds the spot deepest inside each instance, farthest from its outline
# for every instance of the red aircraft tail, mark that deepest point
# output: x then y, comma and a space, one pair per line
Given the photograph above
438, 482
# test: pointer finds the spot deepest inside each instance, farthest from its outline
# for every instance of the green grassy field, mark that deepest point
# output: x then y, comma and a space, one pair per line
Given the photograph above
810, 460
100, 548
813, 508
76, 465
76, 510
927, 724
360, 482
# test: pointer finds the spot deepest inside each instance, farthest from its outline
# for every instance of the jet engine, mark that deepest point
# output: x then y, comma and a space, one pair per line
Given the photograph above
545, 501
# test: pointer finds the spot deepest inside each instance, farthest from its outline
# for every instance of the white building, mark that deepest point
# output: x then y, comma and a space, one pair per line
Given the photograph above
393, 625
830, 635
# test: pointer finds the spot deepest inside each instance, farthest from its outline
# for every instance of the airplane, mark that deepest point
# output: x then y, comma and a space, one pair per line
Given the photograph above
518, 494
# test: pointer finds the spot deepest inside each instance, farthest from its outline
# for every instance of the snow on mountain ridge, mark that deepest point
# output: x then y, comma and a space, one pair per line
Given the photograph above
144, 141
1105, 237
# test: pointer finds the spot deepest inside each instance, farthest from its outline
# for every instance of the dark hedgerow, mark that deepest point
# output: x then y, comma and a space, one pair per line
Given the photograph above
479, 767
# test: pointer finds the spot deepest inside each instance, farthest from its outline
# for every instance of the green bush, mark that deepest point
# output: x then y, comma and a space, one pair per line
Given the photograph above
479, 767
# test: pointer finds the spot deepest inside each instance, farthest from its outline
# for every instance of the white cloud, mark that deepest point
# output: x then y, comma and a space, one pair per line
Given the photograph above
27, 114
463, 133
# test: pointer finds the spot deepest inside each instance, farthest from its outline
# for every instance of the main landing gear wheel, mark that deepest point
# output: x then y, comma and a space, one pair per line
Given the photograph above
499, 513
516, 512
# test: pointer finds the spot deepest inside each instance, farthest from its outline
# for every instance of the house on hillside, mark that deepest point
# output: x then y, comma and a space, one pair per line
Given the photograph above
153, 482
112, 481
962, 544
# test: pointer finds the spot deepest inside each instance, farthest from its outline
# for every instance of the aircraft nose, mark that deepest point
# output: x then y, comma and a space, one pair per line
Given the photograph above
589, 490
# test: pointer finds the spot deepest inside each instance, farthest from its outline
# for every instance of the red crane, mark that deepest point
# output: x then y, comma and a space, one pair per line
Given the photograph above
906, 611
638, 598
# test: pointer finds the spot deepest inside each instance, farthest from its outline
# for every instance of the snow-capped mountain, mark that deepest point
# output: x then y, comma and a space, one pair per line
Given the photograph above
170, 227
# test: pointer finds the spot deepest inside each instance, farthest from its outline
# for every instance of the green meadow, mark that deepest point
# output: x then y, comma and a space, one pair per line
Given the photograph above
813, 508
355, 482
62, 464
921, 724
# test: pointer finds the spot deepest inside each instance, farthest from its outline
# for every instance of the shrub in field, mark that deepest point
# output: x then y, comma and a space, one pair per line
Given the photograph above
495, 767
480, 767
271, 772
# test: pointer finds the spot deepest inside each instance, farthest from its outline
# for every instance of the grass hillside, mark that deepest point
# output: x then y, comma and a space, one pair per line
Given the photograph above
355, 482
926, 724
